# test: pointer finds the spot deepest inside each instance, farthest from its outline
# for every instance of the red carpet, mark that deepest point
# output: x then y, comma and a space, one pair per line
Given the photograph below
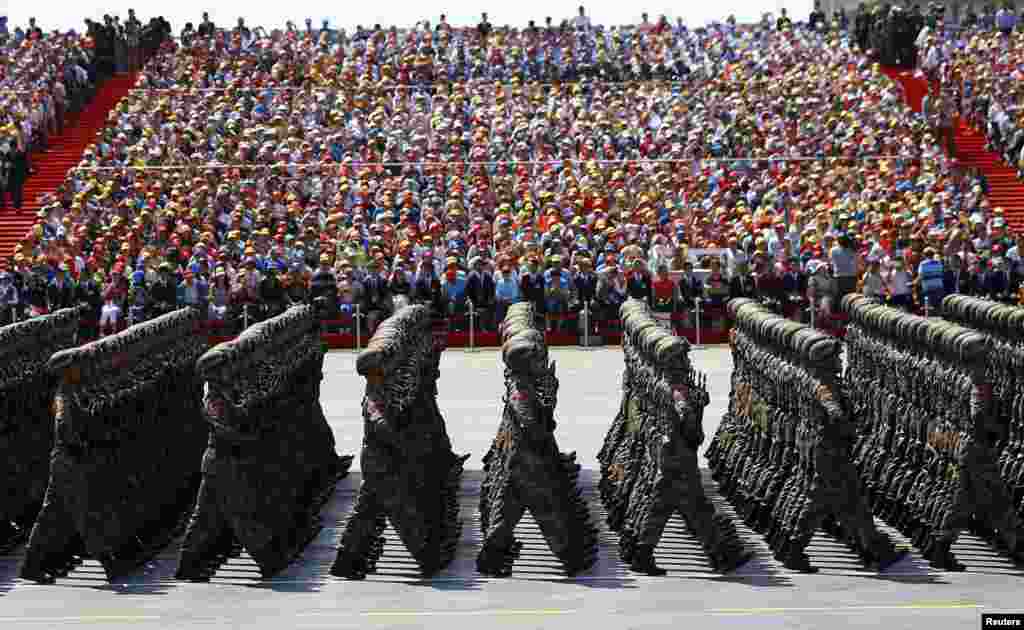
65, 152
1006, 189
914, 88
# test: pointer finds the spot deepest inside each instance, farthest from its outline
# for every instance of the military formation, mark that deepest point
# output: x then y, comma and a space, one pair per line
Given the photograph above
782, 452
115, 447
649, 459
270, 463
928, 441
524, 469
26, 418
1004, 326
411, 475
128, 441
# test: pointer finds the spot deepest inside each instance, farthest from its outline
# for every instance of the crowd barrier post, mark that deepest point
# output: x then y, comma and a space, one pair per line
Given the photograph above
14, 315
696, 329
586, 325
927, 310
472, 319
245, 315
359, 328
813, 309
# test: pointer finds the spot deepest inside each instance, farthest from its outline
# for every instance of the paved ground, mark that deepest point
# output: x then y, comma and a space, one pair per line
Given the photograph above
762, 594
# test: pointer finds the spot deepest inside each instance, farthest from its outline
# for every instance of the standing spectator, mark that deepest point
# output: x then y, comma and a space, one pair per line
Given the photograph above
376, 297
484, 27
557, 293
783, 23
113, 301
531, 282
638, 283
506, 288
999, 282
164, 292
193, 292
219, 298
611, 293
821, 288
9, 297
955, 279
13, 171
584, 284
581, 21
816, 20
899, 285
1006, 21
844, 266
426, 286
741, 285
664, 291
480, 290
323, 286
930, 278
206, 27
453, 288
716, 286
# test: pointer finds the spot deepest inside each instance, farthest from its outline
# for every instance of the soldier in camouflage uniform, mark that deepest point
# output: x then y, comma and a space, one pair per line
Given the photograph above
129, 439
410, 474
270, 463
524, 469
926, 450
26, 417
649, 458
782, 452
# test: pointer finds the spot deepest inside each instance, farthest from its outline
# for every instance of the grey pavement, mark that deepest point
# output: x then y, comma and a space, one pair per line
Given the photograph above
762, 594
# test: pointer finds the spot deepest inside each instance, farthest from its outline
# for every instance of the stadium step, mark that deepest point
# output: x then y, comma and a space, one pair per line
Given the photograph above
64, 153
1006, 190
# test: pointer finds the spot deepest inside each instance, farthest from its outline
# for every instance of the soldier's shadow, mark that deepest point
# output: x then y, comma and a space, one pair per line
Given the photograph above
9, 567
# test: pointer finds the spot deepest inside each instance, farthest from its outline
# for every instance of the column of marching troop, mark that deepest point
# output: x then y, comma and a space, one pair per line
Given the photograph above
113, 448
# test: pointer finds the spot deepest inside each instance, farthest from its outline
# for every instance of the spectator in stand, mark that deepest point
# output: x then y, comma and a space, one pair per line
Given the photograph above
506, 284
930, 279
557, 293
480, 290
453, 288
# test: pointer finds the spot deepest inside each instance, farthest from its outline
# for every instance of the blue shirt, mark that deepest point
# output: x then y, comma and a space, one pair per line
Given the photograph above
931, 274
506, 286
456, 290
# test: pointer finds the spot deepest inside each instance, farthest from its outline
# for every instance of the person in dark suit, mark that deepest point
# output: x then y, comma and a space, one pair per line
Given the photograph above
638, 283
690, 286
999, 283
13, 172
531, 287
956, 280
60, 292
741, 285
376, 296
480, 290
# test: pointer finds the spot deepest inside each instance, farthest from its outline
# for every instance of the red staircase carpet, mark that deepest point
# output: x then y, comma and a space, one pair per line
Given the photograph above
1006, 189
914, 88
65, 152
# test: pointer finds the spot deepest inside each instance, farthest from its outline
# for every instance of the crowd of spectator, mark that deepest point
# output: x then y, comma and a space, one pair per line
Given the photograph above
47, 77
570, 165
43, 79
